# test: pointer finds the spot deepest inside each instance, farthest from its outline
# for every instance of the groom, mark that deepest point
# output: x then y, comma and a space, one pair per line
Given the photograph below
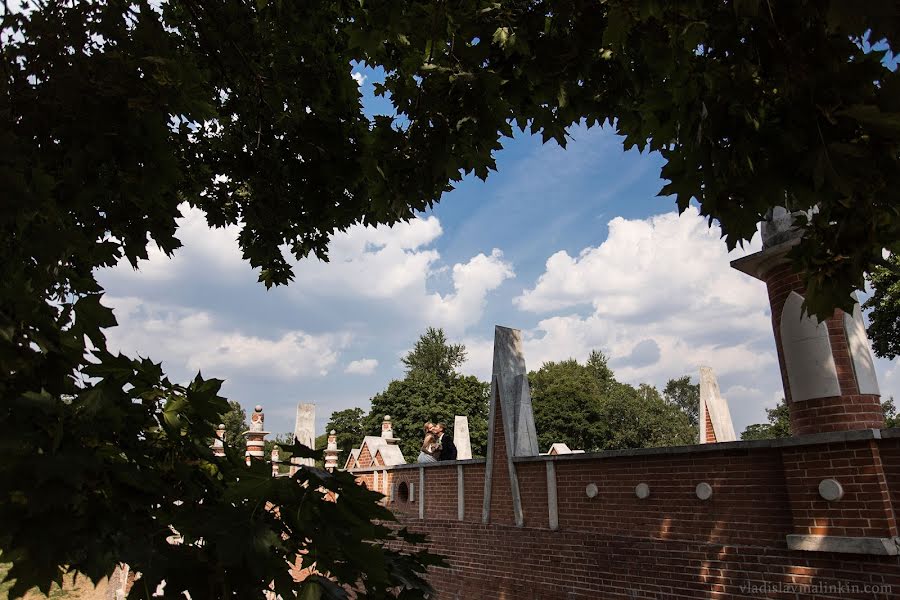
448, 449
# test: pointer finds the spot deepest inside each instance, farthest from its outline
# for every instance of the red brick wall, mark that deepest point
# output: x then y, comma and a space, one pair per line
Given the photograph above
890, 457
501, 498
473, 490
440, 492
836, 413
365, 456
866, 508
533, 489
499, 562
710, 432
671, 544
749, 502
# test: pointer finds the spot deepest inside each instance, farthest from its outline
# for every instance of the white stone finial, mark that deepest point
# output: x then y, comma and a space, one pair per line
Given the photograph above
778, 226
257, 419
461, 437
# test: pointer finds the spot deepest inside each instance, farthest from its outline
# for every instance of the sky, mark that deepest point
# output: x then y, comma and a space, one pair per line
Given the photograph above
571, 246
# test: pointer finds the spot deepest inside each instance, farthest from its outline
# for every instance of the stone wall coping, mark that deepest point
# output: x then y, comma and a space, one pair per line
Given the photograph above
407, 466
813, 439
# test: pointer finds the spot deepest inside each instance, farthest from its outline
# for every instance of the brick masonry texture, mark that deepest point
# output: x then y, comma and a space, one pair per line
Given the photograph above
670, 544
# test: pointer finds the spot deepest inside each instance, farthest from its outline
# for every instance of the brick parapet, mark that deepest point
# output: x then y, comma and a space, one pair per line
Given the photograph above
672, 544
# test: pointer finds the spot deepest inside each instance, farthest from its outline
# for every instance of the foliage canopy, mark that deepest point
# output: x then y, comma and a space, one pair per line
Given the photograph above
884, 316
686, 396
778, 426
116, 113
432, 354
348, 426
587, 409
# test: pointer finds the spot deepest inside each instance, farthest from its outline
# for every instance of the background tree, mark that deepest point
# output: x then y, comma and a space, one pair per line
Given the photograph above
348, 425
235, 421
779, 425
433, 390
884, 306
426, 397
686, 396
567, 402
890, 413
433, 355
586, 408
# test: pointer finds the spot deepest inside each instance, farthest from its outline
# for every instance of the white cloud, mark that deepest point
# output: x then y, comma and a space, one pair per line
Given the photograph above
393, 265
646, 268
191, 339
388, 265
363, 366
660, 299
358, 77
471, 283
214, 251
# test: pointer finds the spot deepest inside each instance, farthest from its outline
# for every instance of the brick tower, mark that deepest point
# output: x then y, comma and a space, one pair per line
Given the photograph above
218, 445
826, 368
256, 437
332, 451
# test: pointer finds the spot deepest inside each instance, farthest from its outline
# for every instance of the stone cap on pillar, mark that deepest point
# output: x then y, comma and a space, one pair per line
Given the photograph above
779, 235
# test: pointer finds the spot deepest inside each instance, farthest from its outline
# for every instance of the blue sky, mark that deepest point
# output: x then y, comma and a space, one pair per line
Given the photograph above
571, 246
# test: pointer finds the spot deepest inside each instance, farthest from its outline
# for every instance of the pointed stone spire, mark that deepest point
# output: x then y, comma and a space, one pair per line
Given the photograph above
715, 418
510, 385
511, 429
305, 433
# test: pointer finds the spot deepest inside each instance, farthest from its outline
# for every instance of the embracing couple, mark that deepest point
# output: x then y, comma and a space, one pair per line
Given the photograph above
437, 444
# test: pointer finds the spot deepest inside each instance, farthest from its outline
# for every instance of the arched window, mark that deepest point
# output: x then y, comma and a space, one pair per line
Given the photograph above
403, 491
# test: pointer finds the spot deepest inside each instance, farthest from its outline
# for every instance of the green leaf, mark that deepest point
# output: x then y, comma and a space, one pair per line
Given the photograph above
501, 36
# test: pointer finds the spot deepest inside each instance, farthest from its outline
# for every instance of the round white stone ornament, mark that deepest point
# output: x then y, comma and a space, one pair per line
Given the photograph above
831, 490
642, 491
704, 491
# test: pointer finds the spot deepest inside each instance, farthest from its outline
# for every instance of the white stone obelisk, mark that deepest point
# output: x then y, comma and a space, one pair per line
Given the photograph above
461, 437
305, 433
715, 418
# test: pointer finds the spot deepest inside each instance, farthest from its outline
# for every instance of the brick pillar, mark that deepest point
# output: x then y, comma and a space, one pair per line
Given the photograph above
332, 451
256, 437
218, 445
826, 368
847, 410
